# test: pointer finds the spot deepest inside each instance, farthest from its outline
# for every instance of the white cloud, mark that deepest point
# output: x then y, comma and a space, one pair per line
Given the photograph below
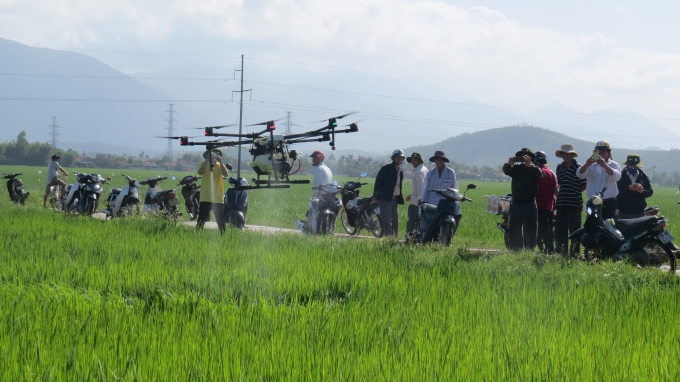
412, 36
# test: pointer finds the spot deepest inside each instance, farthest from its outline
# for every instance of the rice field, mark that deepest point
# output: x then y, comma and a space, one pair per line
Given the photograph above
148, 299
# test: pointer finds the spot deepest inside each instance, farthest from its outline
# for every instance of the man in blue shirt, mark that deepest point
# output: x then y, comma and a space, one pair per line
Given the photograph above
387, 191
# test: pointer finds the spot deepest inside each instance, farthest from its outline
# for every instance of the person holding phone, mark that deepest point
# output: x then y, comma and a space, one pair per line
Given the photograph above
602, 172
212, 189
525, 176
634, 189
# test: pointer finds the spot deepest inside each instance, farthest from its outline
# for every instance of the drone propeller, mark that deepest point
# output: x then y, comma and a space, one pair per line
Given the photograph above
213, 127
353, 123
265, 123
174, 137
338, 117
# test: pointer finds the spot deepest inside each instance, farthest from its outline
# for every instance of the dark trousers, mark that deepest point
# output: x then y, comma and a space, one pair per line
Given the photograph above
204, 215
413, 218
389, 218
545, 231
608, 208
568, 220
523, 226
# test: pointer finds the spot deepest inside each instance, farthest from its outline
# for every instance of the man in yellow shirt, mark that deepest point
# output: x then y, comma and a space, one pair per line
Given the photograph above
212, 189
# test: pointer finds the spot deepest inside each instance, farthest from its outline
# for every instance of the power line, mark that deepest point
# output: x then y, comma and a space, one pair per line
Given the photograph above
114, 77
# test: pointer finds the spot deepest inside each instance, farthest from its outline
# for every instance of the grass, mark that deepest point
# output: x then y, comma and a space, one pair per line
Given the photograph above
147, 299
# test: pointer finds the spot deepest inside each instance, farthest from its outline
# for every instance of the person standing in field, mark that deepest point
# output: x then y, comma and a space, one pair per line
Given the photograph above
523, 213
601, 171
416, 196
212, 189
387, 191
52, 178
569, 202
545, 203
634, 189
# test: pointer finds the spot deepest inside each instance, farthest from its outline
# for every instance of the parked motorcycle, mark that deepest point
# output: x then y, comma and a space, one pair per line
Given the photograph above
644, 240
55, 202
322, 211
192, 195
440, 223
236, 202
359, 213
500, 205
84, 195
125, 201
15, 188
157, 200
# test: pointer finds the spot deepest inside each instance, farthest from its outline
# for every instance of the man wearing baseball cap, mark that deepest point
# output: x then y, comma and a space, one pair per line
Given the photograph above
387, 191
601, 171
419, 173
634, 188
212, 189
52, 178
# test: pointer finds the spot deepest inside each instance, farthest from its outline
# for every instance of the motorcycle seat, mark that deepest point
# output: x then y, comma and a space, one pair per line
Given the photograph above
364, 200
162, 194
633, 226
428, 208
115, 191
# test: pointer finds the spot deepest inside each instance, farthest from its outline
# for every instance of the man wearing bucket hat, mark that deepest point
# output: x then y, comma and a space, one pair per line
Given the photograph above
416, 196
523, 213
601, 171
440, 177
634, 188
387, 191
212, 189
569, 204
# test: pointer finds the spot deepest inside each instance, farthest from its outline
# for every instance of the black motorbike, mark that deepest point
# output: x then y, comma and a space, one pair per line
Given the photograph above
192, 195
85, 199
644, 240
323, 210
164, 202
15, 188
359, 213
439, 223
236, 202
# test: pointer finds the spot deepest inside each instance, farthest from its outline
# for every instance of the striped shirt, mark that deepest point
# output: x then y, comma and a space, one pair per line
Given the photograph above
570, 194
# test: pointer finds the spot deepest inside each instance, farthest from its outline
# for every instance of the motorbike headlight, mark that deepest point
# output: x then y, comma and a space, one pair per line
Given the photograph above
589, 211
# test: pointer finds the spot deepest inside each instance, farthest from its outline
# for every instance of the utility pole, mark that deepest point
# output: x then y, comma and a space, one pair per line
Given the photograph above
289, 124
240, 119
54, 132
171, 131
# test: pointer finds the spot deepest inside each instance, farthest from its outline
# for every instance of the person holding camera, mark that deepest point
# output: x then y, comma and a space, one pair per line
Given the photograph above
634, 188
212, 189
602, 172
523, 212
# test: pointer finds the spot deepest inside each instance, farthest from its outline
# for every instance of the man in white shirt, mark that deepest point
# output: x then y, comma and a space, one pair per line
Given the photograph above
416, 196
600, 173
52, 178
322, 174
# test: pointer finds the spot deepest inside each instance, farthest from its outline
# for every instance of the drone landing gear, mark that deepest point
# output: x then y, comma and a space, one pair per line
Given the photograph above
277, 183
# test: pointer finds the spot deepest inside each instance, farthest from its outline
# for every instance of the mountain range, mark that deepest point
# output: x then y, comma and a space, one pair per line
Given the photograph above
98, 107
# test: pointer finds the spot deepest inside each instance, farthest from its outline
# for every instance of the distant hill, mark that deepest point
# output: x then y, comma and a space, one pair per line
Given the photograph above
493, 147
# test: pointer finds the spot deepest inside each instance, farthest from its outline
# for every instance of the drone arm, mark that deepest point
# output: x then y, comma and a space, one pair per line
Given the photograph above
322, 139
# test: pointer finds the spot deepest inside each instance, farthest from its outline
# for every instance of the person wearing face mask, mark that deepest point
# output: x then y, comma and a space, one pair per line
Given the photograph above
634, 188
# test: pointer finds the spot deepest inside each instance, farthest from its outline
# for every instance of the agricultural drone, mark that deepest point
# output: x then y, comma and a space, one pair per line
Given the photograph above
270, 152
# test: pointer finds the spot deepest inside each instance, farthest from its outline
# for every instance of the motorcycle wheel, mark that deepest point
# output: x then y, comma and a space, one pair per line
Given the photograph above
345, 224
373, 223
20, 198
659, 255
446, 234
325, 225
506, 240
54, 203
89, 207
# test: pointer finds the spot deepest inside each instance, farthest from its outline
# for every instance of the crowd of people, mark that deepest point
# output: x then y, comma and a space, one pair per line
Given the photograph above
547, 205
540, 196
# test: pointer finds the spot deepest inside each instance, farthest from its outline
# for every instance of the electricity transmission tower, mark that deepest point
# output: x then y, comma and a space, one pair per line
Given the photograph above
171, 131
54, 132
289, 124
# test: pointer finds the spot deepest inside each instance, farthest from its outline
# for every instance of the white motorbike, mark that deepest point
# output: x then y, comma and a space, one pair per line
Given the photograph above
123, 201
159, 201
